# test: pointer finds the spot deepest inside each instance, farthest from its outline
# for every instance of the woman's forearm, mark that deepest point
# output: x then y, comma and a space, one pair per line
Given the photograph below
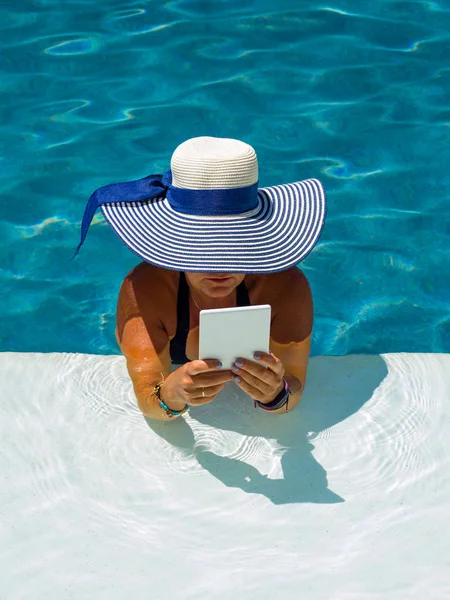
149, 404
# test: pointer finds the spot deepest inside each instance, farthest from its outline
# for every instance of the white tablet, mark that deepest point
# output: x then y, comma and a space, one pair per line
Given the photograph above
229, 333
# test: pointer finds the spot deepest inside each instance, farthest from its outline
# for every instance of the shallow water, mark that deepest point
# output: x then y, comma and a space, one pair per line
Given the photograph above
355, 94
347, 497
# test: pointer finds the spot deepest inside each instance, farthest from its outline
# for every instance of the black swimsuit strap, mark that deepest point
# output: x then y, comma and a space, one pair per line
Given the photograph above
242, 298
178, 342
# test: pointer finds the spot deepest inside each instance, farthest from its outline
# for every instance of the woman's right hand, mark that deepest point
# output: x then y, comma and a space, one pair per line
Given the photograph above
194, 383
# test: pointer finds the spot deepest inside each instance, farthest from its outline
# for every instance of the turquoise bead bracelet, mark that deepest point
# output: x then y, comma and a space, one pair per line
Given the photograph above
169, 412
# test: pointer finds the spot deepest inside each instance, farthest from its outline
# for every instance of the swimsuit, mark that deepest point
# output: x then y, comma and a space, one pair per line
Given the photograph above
178, 342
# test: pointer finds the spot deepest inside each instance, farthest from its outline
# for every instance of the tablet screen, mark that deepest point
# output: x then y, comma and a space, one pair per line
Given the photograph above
229, 333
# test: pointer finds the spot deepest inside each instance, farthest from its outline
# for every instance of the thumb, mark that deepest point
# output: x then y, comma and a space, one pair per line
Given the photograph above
200, 366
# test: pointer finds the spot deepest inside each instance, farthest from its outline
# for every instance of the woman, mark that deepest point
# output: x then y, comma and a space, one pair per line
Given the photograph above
211, 239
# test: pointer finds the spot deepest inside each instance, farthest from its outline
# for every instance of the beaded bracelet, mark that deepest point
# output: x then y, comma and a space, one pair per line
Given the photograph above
169, 412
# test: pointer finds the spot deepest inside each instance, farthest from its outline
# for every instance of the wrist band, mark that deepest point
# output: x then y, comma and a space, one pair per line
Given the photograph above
169, 412
282, 399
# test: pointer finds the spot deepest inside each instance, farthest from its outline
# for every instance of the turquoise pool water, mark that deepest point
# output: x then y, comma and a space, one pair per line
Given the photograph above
355, 94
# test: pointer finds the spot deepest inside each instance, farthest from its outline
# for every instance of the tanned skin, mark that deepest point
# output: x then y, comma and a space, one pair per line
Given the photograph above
147, 321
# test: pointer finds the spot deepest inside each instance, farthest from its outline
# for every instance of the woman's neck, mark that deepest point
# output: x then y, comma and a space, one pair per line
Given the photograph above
203, 302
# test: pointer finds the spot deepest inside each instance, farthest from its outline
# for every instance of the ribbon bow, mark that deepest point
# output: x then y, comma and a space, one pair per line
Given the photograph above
139, 190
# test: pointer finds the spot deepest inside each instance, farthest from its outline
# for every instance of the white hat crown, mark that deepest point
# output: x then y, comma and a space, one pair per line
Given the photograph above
210, 163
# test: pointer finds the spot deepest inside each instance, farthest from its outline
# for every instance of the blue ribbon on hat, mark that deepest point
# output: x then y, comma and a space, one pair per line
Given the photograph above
228, 201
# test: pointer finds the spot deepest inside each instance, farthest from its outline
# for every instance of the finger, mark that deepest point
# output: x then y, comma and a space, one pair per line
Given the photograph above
200, 366
263, 388
269, 360
205, 381
201, 401
197, 398
249, 389
209, 392
269, 376
210, 379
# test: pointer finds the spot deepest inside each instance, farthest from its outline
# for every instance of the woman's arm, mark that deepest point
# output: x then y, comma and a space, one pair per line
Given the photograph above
291, 332
290, 337
145, 345
295, 358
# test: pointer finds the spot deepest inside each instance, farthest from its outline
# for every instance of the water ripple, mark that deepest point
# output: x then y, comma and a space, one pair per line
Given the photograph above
70, 47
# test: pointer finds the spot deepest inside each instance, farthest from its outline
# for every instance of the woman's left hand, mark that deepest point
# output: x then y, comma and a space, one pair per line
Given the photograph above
260, 383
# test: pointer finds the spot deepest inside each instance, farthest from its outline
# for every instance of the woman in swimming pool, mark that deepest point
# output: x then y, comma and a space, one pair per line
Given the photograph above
211, 239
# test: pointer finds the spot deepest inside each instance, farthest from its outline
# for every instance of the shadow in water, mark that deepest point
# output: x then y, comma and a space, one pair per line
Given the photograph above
337, 388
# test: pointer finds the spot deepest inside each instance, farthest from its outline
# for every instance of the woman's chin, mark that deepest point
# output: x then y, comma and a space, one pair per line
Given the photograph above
219, 287
218, 292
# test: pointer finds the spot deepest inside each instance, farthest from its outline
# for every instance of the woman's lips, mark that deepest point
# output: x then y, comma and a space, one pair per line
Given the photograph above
220, 279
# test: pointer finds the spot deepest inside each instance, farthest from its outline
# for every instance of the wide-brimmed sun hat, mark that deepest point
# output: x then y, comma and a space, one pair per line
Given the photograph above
207, 214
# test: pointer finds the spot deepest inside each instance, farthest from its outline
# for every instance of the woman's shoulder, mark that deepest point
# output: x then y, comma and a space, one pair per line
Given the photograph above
147, 300
274, 287
150, 280
149, 290
289, 295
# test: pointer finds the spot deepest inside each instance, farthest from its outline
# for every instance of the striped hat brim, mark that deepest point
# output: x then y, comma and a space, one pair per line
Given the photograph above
279, 233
